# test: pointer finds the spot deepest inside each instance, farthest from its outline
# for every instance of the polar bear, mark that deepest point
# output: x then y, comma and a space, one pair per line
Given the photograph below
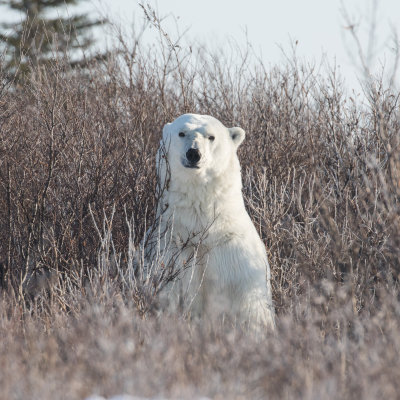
204, 220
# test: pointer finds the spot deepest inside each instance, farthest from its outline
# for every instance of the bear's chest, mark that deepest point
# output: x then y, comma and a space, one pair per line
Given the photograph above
191, 212
198, 218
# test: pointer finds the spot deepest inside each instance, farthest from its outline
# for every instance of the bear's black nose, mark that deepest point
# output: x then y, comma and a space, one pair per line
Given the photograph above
193, 156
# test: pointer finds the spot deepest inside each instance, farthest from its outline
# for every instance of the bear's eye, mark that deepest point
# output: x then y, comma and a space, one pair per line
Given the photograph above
212, 138
181, 134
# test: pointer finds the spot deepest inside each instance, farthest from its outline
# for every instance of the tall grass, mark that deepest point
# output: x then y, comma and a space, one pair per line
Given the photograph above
78, 191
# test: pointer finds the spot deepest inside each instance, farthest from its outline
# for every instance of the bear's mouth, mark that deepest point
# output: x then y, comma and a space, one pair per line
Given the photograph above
190, 165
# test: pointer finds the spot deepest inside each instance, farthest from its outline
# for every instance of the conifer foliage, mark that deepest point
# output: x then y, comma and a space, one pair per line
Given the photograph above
39, 38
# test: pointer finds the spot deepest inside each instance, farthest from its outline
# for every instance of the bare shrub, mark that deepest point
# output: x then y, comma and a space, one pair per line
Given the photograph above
78, 192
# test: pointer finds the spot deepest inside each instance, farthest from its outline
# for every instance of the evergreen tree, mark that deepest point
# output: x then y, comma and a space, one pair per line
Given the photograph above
38, 38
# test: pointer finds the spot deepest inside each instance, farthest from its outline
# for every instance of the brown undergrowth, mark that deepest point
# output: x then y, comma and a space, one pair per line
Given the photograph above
78, 192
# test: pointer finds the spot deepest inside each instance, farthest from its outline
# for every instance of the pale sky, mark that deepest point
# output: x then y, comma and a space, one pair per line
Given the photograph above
271, 25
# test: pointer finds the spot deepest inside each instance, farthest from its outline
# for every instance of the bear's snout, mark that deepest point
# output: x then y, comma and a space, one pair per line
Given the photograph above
193, 156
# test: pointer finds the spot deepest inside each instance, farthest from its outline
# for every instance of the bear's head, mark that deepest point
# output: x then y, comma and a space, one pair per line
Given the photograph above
200, 145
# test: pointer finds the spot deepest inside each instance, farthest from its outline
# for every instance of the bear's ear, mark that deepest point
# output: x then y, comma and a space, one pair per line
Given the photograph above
237, 135
166, 132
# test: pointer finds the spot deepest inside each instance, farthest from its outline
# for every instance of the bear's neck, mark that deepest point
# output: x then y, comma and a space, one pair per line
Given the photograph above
219, 188
205, 196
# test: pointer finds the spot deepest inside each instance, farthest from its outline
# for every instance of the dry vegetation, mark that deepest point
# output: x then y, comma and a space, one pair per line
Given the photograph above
321, 179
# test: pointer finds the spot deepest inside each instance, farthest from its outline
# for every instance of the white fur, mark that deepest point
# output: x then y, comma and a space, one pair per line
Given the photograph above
202, 210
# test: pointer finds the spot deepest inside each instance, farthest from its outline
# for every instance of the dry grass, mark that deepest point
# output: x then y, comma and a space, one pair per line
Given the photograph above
78, 190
